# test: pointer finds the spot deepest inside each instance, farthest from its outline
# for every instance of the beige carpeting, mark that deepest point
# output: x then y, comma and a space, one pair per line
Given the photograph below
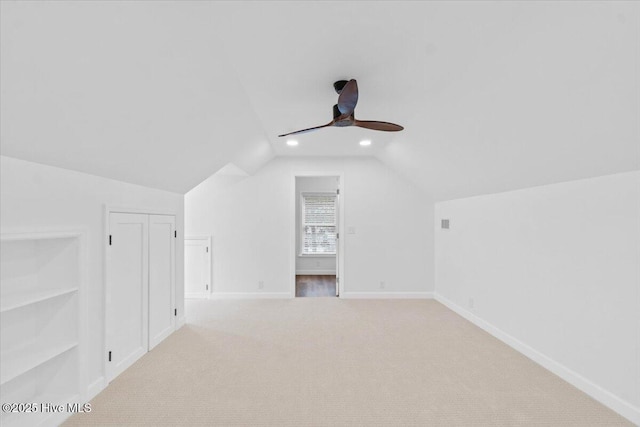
332, 362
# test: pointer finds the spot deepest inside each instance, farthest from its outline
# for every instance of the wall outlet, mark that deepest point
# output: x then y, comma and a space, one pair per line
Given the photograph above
471, 303
382, 285
444, 224
260, 284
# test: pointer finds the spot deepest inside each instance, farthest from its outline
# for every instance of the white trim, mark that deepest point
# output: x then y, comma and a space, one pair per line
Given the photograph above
197, 237
292, 229
249, 295
124, 209
95, 388
315, 272
622, 407
324, 255
388, 295
196, 295
28, 233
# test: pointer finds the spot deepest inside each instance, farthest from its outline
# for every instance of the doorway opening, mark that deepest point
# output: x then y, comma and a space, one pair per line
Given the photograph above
317, 236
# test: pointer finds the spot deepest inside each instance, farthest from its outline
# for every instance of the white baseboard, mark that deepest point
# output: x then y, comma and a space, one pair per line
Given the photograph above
603, 396
95, 388
249, 295
387, 295
196, 295
315, 272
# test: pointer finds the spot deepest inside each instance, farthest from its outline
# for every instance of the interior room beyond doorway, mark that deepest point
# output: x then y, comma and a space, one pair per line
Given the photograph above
317, 204
316, 286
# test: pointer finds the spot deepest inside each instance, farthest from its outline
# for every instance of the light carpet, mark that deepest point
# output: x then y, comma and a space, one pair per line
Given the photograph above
332, 362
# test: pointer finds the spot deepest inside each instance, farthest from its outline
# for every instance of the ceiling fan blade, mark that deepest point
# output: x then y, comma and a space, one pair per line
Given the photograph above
348, 97
384, 126
308, 130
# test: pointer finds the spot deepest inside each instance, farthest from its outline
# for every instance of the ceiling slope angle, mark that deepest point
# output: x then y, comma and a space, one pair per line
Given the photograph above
134, 91
557, 100
493, 95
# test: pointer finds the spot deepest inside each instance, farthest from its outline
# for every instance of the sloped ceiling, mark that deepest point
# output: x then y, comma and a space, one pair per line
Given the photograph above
493, 95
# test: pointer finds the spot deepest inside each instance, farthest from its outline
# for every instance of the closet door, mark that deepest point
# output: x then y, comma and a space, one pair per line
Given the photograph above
127, 291
161, 277
197, 270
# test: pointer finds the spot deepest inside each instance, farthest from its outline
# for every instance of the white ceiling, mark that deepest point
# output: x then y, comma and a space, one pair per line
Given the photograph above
493, 95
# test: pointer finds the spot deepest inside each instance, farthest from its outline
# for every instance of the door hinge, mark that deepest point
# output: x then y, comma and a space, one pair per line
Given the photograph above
338, 191
207, 287
109, 356
109, 239
337, 235
337, 280
175, 311
207, 249
175, 233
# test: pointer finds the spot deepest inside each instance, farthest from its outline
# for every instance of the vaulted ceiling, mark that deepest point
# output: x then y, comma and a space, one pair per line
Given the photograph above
493, 95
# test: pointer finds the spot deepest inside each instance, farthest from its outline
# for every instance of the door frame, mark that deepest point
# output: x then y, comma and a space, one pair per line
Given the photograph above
171, 329
292, 228
106, 212
207, 294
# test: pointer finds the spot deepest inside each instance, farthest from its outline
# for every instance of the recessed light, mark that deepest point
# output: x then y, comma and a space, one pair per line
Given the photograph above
292, 143
365, 142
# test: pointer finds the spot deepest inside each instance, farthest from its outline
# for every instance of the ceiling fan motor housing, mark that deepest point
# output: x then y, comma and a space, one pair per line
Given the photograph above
339, 85
343, 111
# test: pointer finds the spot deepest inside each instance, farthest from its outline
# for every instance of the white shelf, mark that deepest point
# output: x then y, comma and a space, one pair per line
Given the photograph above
42, 328
41, 418
17, 300
17, 361
19, 237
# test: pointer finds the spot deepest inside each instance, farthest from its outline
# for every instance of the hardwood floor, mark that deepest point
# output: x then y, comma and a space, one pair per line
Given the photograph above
315, 286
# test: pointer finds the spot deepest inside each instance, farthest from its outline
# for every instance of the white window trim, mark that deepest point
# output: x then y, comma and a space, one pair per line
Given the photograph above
302, 224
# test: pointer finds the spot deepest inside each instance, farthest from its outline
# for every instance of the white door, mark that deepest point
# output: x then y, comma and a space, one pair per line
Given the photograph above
338, 241
161, 277
127, 291
197, 270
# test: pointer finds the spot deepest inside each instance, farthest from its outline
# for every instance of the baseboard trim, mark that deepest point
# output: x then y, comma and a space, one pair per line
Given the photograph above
315, 272
622, 407
95, 388
196, 295
249, 295
387, 295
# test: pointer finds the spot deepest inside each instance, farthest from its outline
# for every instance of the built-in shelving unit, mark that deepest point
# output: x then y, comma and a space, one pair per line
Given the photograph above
40, 320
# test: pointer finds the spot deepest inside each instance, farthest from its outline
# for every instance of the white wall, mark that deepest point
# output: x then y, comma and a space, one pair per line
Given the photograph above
555, 268
39, 197
251, 222
306, 264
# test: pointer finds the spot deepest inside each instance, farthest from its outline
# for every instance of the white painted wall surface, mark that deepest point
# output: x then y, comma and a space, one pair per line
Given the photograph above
557, 268
35, 196
250, 220
306, 264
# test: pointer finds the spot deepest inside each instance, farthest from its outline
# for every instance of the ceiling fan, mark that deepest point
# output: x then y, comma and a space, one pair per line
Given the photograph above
343, 111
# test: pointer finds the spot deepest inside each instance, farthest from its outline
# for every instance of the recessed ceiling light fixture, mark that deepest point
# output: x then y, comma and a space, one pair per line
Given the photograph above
292, 143
365, 142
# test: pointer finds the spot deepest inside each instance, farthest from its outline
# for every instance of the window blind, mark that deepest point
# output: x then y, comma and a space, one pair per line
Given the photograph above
318, 224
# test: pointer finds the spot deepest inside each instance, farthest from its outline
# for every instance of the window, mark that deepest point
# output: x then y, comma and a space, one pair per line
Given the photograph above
318, 224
